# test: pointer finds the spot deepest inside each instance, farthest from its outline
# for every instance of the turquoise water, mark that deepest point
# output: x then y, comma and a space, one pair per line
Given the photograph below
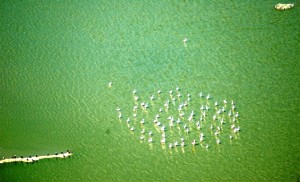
58, 57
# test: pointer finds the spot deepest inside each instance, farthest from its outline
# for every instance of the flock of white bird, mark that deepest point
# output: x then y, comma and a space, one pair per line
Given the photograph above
175, 120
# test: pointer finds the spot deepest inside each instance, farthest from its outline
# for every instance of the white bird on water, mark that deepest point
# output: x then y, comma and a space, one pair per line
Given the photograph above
110, 84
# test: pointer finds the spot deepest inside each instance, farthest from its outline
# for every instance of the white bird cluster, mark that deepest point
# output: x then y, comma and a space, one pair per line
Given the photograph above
170, 117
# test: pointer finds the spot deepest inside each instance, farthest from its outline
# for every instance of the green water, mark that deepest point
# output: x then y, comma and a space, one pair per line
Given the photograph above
57, 58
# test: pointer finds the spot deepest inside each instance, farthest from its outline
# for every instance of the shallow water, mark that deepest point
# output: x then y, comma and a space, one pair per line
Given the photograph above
58, 57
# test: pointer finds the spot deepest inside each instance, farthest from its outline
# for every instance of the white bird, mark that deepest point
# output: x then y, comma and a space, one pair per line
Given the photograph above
206, 107
175, 144
206, 146
185, 40
218, 141
187, 130
120, 115
150, 133
146, 106
182, 144
128, 120
200, 94
142, 121
202, 108
143, 131
207, 97
118, 109
232, 126
229, 113
132, 129
150, 140
141, 137
170, 92
214, 117
170, 145
134, 91
236, 114
159, 92
225, 102
163, 141
201, 119
194, 142
230, 137
177, 88
222, 121
152, 97
216, 103
160, 110
236, 130
109, 84
201, 139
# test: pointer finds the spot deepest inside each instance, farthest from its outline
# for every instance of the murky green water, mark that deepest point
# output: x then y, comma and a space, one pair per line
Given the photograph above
58, 57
